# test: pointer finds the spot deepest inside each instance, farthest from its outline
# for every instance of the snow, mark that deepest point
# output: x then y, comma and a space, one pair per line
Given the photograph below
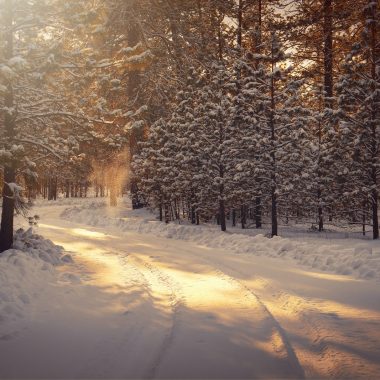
140, 58
14, 188
348, 257
24, 272
140, 299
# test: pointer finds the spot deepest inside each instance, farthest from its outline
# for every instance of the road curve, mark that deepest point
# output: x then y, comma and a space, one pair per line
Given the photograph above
203, 322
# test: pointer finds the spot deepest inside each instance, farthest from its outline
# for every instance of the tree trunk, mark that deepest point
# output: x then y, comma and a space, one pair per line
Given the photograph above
133, 82
273, 153
258, 212
160, 210
328, 53
222, 213
6, 230
243, 218
240, 24
274, 212
320, 210
328, 82
192, 215
257, 49
166, 210
192, 207
375, 76
8, 205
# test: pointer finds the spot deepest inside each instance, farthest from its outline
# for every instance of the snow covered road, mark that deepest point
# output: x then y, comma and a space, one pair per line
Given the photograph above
152, 307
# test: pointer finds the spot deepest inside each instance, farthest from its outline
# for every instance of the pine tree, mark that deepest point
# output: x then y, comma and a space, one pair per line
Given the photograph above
39, 116
280, 126
359, 89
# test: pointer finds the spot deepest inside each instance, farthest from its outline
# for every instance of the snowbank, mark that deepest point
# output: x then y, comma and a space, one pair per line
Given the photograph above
38, 247
25, 271
347, 257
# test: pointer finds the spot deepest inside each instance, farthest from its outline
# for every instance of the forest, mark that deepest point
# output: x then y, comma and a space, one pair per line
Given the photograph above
235, 112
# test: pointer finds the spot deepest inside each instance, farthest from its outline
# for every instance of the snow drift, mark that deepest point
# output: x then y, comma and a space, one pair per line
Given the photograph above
25, 271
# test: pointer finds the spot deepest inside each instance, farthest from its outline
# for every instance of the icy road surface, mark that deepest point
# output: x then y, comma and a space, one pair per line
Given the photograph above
150, 307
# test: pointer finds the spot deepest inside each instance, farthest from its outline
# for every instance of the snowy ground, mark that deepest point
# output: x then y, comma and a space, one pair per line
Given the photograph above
145, 300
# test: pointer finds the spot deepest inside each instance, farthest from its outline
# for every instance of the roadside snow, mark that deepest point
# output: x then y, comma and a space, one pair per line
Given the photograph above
25, 271
359, 258
37, 247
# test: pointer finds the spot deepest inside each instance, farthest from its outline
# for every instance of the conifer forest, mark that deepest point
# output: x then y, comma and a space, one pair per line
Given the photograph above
255, 111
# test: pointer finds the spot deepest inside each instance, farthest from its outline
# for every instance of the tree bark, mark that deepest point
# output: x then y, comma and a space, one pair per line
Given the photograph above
374, 117
160, 212
257, 49
273, 153
258, 212
243, 217
8, 205
328, 81
222, 212
166, 210
133, 83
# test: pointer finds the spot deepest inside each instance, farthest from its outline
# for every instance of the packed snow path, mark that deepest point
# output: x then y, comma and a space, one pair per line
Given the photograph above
151, 307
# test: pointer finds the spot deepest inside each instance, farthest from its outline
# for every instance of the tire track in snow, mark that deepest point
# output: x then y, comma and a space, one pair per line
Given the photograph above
126, 339
246, 300
156, 279
284, 342
322, 326
281, 344
310, 324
